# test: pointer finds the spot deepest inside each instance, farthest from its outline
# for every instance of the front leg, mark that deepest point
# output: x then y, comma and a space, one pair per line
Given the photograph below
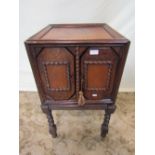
52, 126
105, 126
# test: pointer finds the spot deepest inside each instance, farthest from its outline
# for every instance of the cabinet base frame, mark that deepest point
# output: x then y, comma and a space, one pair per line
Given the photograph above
109, 109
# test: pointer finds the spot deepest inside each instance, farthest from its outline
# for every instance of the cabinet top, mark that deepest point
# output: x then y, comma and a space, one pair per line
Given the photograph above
77, 33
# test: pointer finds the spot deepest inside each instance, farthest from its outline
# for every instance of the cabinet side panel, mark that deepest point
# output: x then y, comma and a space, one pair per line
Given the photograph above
124, 52
32, 59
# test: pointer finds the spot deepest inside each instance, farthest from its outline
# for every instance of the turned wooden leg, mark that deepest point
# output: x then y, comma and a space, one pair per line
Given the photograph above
52, 126
107, 115
105, 125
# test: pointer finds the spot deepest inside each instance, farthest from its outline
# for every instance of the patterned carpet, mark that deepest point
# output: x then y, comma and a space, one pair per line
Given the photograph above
78, 131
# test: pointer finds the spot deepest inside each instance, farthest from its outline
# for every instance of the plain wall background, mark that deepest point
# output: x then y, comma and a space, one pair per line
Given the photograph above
36, 14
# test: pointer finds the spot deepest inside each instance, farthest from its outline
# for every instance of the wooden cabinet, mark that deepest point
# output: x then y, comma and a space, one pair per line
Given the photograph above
77, 66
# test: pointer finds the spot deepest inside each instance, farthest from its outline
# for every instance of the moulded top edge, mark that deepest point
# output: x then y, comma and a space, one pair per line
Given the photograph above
80, 33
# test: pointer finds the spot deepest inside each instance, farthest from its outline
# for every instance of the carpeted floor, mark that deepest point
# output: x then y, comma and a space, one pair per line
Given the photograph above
78, 131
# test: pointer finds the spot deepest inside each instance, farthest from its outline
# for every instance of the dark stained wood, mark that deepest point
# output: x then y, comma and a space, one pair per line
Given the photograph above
52, 127
70, 58
107, 115
98, 72
77, 33
56, 67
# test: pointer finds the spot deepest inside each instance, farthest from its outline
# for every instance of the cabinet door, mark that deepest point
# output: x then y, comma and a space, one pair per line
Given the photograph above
98, 68
56, 67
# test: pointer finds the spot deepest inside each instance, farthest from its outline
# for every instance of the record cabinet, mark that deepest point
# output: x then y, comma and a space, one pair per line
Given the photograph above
77, 67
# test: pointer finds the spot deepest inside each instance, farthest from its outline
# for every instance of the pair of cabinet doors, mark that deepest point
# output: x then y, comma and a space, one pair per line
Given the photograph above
64, 71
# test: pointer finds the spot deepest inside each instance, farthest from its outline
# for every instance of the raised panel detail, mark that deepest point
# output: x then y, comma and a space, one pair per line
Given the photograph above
56, 67
97, 75
57, 75
98, 68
